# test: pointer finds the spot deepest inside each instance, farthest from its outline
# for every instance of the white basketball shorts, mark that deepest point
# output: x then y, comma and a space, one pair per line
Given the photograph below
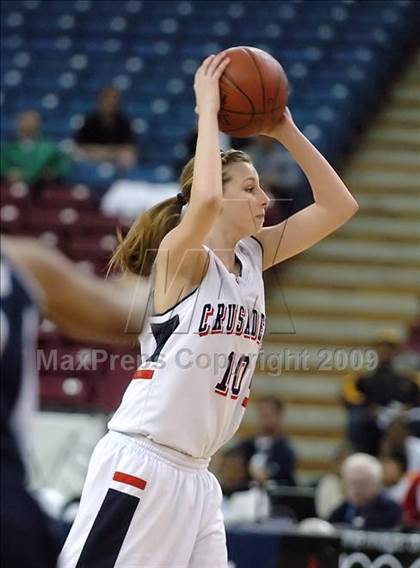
146, 506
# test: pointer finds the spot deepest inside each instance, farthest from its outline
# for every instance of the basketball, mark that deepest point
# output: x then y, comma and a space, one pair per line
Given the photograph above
253, 92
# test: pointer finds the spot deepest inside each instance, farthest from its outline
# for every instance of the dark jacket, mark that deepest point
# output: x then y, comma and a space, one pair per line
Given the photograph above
281, 461
381, 513
96, 131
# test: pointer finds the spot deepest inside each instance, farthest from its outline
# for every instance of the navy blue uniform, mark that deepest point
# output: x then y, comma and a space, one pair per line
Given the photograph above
25, 534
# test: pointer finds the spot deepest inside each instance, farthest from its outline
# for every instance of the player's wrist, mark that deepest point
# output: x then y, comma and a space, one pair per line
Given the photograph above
207, 112
286, 133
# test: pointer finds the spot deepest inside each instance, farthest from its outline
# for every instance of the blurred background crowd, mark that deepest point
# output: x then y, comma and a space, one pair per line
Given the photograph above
97, 119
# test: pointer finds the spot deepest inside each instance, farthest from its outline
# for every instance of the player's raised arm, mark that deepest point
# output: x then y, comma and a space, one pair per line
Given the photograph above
334, 204
84, 306
206, 194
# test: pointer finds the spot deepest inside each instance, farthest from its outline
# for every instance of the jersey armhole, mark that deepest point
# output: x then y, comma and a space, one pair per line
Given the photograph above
175, 305
259, 242
180, 301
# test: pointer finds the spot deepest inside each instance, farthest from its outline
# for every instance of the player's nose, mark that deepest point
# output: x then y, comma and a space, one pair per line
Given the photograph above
264, 200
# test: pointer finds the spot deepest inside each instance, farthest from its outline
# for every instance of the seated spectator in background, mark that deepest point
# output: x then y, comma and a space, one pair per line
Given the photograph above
232, 472
241, 501
395, 478
106, 134
269, 455
365, 507
412, 343
369, 396
190, 144
411, 505
31, 158
398, 439
281, 175
329, 492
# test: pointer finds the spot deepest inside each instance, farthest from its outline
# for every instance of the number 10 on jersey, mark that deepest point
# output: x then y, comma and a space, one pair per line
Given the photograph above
233, 376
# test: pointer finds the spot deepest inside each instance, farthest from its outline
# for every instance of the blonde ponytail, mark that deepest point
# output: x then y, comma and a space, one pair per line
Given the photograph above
137, 251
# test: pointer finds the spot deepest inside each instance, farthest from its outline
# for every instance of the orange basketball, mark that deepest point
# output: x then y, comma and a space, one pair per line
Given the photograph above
253, 92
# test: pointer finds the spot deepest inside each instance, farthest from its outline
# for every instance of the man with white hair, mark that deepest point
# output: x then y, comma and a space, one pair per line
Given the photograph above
365, 506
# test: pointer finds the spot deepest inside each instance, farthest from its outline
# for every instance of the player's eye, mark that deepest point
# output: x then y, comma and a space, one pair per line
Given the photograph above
249, 189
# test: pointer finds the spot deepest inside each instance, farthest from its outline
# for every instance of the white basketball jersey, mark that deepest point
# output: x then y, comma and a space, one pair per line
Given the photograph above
198, 358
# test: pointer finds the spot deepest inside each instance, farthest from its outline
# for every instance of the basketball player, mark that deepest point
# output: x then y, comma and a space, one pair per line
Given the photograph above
36, 279
149, 500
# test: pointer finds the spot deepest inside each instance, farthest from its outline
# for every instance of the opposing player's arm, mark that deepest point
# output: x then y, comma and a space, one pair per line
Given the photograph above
84, 306
206, 193
333, 206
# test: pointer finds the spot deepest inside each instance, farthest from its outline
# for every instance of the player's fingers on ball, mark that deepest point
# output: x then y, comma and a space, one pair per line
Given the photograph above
216, 62
207, 62
221, 67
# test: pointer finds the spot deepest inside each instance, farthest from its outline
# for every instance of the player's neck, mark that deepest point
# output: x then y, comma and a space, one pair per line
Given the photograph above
224, 248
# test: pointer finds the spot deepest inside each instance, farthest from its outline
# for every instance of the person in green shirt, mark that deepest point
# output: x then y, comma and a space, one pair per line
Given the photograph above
32, 158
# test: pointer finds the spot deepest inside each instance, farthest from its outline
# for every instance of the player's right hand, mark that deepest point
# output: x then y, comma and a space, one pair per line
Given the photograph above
206, 83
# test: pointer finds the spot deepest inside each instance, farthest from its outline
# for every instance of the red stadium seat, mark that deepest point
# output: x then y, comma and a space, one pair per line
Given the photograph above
58, 197
49, 335
110, 386
61, 221
94, 223
11, 219
17, 194
72, 391
91, 247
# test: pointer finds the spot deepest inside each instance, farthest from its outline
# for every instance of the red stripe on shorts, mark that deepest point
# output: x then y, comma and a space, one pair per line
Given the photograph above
129, 480
143, 374
221, 393
245, 402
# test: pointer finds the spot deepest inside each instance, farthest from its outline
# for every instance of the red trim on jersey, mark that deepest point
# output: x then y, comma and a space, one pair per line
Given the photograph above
221, 393
129, 480
245, 402
143, 374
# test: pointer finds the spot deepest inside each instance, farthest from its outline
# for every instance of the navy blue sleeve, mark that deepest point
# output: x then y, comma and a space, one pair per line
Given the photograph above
282, 463
338, 515
383, 514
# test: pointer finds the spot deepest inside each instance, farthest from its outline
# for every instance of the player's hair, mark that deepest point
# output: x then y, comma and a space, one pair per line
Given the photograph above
136, 252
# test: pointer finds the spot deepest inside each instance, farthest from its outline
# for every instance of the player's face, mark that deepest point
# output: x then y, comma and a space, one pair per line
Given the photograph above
244, 200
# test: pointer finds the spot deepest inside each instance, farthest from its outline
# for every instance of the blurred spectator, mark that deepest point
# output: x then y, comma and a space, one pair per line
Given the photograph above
370, 396
242, 502
398, 439
329, 492
233, 474
411, 505
279, 175
410, 353
106, 134
31, 158
269, 455
279, 172
365, 507
190, 144
412, 343
395, 479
